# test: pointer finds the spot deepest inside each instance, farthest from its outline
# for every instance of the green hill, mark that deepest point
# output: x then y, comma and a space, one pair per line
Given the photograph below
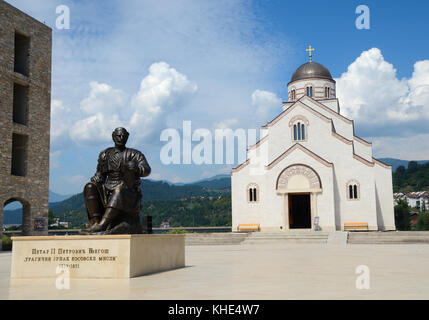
413, 178
163, 198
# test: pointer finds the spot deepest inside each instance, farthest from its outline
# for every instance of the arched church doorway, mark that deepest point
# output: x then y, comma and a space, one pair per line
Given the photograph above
17, 215
300, 185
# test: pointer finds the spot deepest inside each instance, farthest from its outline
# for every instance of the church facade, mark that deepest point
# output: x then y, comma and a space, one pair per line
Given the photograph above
309, 170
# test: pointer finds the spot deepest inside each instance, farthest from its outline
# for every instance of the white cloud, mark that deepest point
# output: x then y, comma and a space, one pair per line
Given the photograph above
162, 92
265, 103
371, 92
230, 123
102, 111
415, 147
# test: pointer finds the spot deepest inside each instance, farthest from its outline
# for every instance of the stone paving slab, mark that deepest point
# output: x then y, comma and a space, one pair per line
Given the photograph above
266, 271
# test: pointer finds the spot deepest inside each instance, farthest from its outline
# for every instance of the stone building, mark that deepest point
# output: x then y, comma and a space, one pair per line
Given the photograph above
310, 170
25, 103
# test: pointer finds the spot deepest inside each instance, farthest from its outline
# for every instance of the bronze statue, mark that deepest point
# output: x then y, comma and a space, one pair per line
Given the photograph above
113, 197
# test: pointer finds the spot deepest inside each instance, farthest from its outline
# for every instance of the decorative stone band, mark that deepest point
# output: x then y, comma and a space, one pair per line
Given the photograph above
365, 162
298, 177
298, 103
299, 118
380, 163
257, 144
286, 191
241, 166
302, 148
341, 138
368, 144
308, 79
327, 109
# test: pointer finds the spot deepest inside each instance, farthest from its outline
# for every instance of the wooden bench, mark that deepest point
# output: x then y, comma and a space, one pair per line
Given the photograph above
248, 227
356, 226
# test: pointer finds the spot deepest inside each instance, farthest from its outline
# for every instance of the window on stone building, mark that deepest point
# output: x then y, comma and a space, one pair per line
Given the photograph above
20, 104
252, 193
22, 54
299, 131
309, 91
353, 192
293, 95
19, 154
327, 92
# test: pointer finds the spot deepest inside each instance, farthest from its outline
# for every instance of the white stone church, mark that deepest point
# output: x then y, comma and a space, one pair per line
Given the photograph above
309, 170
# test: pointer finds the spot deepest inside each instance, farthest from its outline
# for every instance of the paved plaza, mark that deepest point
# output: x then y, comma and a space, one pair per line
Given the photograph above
262, 271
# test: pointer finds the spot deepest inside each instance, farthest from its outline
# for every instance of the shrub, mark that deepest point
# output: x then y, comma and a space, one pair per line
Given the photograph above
178, 231
6, 243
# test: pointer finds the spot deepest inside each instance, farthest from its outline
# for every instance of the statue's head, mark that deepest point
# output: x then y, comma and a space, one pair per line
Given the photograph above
120, 136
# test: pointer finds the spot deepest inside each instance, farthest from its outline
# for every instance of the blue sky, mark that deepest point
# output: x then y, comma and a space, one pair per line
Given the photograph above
149, 65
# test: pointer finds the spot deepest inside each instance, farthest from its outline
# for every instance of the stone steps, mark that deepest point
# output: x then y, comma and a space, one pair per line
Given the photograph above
192, 239
399, 237
287, 237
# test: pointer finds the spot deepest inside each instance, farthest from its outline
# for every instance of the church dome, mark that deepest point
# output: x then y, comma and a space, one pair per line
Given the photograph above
311, 70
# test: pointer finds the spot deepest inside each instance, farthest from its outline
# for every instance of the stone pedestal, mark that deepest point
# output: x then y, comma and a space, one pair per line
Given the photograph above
91, 257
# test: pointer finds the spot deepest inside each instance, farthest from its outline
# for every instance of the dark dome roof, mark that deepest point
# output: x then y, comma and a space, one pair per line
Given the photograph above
311, 70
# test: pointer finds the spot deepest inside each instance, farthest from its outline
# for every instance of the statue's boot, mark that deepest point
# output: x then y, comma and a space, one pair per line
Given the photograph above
94, 206
109, 217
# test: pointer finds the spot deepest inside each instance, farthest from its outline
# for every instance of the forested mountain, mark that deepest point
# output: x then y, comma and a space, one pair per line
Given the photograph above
163, 198
414, 177
395, 163
208, 202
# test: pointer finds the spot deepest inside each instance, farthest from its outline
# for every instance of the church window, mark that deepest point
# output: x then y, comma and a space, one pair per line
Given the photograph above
327, 92
310, 91
252, 193
299, 132
353, 192
299, 128
293, 95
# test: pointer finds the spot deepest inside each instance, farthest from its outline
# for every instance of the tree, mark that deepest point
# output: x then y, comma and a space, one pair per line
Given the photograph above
51, 217
422, 222
402, 215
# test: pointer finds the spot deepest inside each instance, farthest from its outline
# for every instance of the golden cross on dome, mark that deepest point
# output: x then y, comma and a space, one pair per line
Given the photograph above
310, 49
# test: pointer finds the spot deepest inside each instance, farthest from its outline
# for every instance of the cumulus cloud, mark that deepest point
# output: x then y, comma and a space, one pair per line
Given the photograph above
265, 103
230, 123
371, 92
162, 92
389, 111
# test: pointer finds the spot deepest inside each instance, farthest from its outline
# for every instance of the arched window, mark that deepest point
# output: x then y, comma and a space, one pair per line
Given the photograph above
299, 126
293, 95
310, 91
252, 193
327, 92
353, 190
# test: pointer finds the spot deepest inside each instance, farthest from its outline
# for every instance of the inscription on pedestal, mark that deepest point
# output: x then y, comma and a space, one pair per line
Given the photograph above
113, 256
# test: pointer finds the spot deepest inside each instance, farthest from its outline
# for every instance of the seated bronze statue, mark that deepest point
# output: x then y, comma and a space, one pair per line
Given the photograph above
113, 196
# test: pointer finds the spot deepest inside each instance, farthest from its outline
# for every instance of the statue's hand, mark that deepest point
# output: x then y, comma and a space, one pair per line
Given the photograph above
96, 179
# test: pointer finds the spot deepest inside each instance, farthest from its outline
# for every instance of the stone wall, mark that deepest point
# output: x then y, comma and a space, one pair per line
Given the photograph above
31, 188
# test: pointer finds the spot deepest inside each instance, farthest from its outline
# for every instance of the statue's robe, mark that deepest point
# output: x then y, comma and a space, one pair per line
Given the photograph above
118, 186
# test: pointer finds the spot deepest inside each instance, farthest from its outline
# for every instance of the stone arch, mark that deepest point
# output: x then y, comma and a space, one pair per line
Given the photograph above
298, 177
26, 214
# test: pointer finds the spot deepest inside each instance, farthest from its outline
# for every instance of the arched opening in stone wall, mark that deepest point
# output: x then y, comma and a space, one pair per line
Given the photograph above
300, 185
17, 216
